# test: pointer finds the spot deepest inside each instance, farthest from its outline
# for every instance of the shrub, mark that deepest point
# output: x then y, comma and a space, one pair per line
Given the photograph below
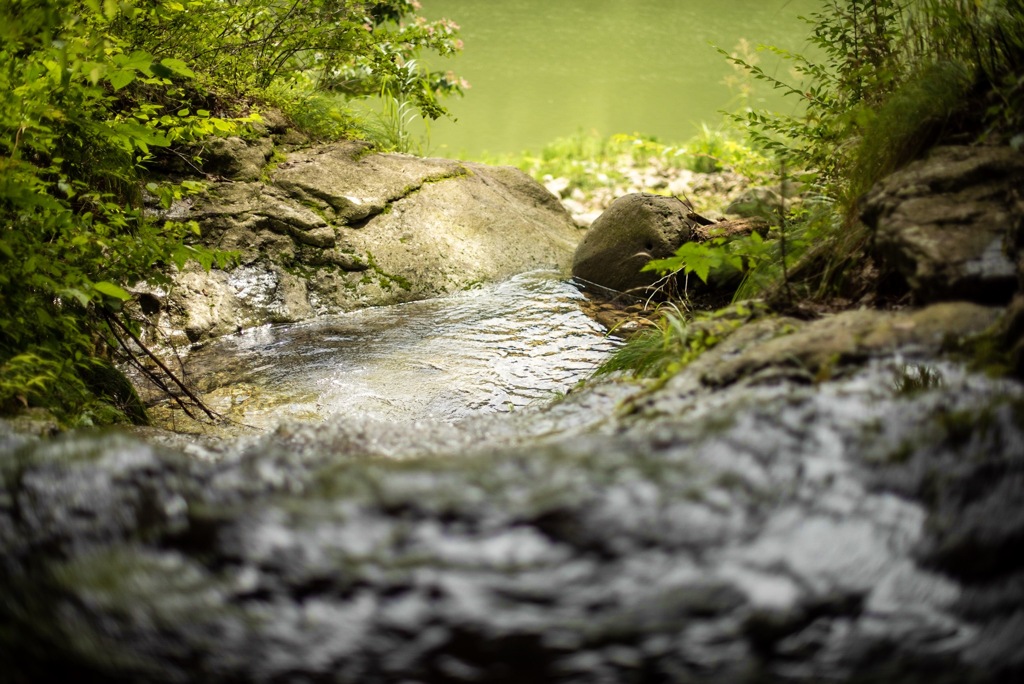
354, 48
90, 92
73, 230
892, 79
677, 341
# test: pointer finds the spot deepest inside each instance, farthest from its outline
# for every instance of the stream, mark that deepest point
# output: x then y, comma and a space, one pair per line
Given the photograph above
492, 349
424, 514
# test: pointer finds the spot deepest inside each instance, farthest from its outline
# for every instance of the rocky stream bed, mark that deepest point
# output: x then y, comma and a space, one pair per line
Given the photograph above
839, 499
806, 502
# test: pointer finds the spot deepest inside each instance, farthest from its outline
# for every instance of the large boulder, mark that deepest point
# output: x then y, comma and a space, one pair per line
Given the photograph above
639, 227
945, 224
633, 230
337, 227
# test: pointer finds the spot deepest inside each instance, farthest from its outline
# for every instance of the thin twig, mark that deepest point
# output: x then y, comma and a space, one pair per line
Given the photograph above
174, 378
150, 375
782, 230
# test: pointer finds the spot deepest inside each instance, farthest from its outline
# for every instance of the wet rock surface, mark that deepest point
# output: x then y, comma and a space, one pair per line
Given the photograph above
749, 525
442, 359
831, 500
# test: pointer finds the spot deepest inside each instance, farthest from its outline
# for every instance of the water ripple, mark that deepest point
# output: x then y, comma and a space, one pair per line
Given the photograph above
487, 350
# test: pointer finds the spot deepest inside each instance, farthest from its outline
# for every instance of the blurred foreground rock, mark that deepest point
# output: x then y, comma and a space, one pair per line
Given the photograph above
806, 502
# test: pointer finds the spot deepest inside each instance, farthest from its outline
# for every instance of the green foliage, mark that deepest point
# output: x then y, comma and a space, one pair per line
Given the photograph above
860, 64
891, 78
74, 233
755, 261
811, 226
677, 341
590, 161
719, 256
905, 124
320, 115
720, 149
349, 47
699, 258
890, 75
390, 129
93, 92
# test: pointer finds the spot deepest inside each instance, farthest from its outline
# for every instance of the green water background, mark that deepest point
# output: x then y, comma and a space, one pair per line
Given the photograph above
542, 69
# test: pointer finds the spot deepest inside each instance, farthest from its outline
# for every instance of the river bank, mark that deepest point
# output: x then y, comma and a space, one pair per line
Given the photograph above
587, 172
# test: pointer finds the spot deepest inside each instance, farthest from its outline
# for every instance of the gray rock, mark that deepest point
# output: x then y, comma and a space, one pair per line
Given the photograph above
323, 237
784, 533
351, 183
235, 158
271, 122
219, 302
633, 230
944, 224
820, 349
338, 227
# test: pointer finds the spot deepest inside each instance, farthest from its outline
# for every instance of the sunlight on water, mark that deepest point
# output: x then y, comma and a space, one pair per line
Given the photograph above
493, 349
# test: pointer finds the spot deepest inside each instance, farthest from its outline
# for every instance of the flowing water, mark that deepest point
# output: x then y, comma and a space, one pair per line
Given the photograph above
541, 69
487, 350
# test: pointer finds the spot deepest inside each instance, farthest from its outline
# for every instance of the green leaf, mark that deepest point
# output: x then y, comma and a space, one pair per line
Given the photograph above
691, 257
180, 255
700, 263
160, 71
77, 294
111, 290
139, 135
178, 67
119, 79
94, 71
138, 60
